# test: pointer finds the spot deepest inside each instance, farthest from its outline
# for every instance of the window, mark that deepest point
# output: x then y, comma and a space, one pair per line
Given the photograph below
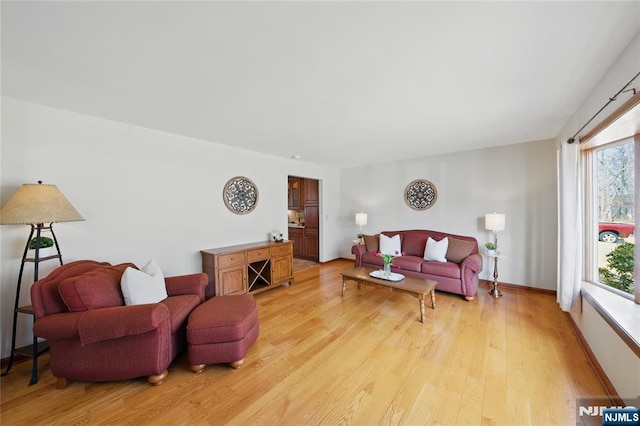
612, 215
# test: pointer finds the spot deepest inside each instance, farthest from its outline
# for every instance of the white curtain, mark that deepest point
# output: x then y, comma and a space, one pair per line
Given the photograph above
569, 224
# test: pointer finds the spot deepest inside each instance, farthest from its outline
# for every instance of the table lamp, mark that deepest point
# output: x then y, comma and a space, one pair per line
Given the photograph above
494, 222
361, 220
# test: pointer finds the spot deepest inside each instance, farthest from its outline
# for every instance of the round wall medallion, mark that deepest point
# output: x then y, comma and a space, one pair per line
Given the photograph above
420, 194
240, 195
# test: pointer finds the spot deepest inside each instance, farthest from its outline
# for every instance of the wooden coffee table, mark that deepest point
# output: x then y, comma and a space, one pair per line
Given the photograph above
419, 287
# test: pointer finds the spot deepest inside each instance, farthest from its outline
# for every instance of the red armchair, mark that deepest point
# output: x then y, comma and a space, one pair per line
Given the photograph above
95, 337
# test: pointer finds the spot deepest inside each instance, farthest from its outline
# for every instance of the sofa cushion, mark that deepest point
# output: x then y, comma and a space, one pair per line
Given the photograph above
458, 250
390, 245
99, 288
371, 243
436, 250
442, 269
47, 299
408, 263
413, 244
372, 259
143, 286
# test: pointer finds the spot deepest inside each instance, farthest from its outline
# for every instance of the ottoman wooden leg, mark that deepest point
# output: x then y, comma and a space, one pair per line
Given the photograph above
236, 364
197, 368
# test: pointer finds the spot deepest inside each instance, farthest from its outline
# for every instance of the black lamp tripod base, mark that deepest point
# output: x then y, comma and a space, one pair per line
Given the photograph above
36, 348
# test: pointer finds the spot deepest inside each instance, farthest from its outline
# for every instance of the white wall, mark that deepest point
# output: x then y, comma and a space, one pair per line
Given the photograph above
620, 73
144, 194
614, 356
518, 180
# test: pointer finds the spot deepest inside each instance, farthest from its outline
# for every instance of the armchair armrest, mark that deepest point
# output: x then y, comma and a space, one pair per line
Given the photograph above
187, 284
57, 326
473, 262
96, 325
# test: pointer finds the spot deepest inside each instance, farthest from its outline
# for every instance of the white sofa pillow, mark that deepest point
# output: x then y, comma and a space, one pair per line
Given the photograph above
143, 286
436, 250
390, 245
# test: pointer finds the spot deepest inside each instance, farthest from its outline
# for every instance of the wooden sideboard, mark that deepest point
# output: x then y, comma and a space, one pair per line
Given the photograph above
247, 268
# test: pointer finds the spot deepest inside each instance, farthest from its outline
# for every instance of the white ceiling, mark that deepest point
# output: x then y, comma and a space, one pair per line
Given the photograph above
338, 83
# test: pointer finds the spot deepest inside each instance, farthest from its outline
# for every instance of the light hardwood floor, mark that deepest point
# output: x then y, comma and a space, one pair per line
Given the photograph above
362, 359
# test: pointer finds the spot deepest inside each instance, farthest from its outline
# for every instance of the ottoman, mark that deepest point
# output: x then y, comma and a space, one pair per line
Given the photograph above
221, 330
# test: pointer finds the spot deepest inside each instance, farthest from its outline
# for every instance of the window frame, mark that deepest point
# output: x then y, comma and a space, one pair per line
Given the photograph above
590, 208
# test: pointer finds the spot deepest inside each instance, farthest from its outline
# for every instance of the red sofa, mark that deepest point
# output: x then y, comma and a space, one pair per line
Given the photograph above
93, 336
458, 275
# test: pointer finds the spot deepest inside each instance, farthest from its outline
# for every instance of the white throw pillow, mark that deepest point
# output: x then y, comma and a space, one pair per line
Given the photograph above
390, 245
436, 250
143, 286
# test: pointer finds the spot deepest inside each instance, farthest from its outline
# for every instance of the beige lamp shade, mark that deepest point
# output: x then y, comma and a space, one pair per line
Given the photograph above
494, 222
38, 203
361, 219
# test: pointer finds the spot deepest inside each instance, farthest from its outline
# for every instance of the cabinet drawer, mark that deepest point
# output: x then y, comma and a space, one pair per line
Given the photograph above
281, 250
231, 259
258, 254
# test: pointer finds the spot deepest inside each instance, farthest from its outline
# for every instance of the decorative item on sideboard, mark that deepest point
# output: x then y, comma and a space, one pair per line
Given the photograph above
277, 236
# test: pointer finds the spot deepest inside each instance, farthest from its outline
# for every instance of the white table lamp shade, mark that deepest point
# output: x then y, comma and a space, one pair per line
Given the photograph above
494, 221
361, 219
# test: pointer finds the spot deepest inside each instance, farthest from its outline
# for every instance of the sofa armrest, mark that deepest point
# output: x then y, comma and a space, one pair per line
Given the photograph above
359, 250
473, 262
187, 284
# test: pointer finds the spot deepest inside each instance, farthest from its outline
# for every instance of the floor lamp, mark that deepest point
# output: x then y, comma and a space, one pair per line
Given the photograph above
35, 205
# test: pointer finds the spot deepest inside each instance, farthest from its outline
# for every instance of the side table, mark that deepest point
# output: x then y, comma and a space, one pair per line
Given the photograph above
494, 291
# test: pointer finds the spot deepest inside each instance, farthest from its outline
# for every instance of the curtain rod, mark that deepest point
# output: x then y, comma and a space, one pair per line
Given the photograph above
614, 98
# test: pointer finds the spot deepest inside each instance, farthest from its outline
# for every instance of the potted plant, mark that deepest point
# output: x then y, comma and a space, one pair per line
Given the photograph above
491, 248
360, 237
46, 245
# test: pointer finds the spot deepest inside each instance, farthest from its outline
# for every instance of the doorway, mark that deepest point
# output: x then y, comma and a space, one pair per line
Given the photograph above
303, 217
